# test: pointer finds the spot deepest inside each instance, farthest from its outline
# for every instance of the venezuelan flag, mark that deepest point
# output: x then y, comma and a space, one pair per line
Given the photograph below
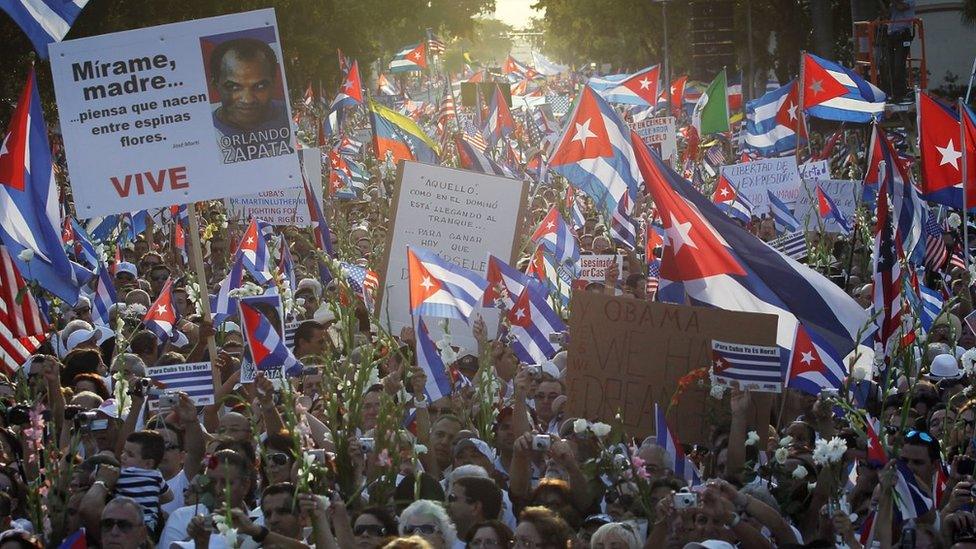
401, 136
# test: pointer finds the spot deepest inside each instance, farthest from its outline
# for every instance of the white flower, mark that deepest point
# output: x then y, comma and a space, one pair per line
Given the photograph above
309, 459
826, 452
968, 360
800, 472
954, 220
579, 426
26, 254
717, 391
858, 374
781, 455
448, 356
786, 441
445, 341
420, 449
600, 429
137, 309
752, 438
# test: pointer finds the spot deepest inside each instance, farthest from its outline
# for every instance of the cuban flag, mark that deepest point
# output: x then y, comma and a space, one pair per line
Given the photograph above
429, 360
813, 365
833, 92
387, 86
351, 92
29, 213
531, 321
727, 199
750, 365
84, 250
677, 461
558, 281
286, 266
559, 240
909, 210
103, 298
268, 349
43, 21
440, 288
255, 253
520, 70
941, 154
772, 122
622, 226
912, 502
471, 158
640, 88
828, 209
572, 206
409, 59
223, 305
320, 230
782, 215
162, 316
596, 155
505, 283
499, 123
349, 146
931, 307
708, 259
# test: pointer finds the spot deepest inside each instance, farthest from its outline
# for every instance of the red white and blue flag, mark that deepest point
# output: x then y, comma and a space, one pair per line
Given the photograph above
223, 305
44, 21
753, 367
320, 230
911, 501
886, 268
709, 259
254, 250
429, 360
19, 312
499, 123
908, 208
103, 298
29, 213
623, 229
520, 70
833, 92
596, 155
813, 366
162, 316
440, 288
472, 158
828, 209
410, 58
505, 284
941, 150
773, 124
559, 240
640, 88
268, 349
728, 199
351, 92
677, 461
572, 206
531, 321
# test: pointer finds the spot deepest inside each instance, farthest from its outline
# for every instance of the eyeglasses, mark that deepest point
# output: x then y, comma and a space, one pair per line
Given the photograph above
420, 529
369, 529
109, 524
925, 437
278, 458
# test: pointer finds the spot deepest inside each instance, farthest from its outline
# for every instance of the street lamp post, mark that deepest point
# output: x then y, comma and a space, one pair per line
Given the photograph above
667, 64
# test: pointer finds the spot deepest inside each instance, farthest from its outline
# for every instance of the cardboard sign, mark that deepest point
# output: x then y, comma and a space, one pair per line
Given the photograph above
270, 306
845, 193
626, 354
195, 379
461, 215
593, 268
658, 133
149, 120
753, 179
282, 206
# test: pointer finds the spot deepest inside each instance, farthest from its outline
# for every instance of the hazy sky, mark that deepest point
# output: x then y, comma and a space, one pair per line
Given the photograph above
515, 12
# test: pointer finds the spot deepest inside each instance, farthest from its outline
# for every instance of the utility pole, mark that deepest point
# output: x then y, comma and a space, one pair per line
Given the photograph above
666, 64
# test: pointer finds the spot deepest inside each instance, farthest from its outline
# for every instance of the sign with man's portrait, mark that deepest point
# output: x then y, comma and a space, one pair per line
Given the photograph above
175, 114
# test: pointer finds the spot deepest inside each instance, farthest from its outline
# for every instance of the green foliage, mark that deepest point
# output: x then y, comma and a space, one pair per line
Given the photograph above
311, 31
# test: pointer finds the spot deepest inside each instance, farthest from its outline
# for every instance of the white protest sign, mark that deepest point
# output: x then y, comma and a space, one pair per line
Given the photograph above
282, 206
752, 367
658, 132
593, 268
195, 379
461, 215
753, 179
815, 169
175, 114
845, 193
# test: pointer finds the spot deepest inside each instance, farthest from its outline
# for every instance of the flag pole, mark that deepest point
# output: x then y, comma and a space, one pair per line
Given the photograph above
965, 176
802, 122
196, 257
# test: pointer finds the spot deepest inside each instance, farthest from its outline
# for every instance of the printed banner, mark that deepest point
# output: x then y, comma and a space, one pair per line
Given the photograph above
282, 206
175, 114
593, 268
195, 379
752, 367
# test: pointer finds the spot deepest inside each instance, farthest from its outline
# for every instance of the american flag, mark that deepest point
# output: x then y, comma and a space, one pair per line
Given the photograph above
22, 324
935, 248
363, 281
560, 103
446, 112
436, 45
473, 136
653, 278
714, 158
791, 244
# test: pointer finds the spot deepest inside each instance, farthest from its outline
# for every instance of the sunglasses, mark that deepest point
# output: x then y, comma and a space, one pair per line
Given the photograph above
109, 524
369, 529
420, 529
925, 437
278, 458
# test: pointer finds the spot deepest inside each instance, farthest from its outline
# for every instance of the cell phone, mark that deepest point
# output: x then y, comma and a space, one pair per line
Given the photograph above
168, 401
317, 455
541, 442
966, 465
685, 500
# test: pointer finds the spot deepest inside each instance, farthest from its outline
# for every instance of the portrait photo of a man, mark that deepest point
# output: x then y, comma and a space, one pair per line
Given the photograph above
247, 97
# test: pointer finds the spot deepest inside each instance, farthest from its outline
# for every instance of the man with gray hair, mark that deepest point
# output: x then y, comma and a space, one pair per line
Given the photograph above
122, 525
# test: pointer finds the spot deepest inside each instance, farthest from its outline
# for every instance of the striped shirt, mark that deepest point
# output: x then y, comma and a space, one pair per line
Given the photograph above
146, 486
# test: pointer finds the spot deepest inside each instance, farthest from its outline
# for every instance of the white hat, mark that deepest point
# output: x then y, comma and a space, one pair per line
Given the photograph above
478, 444
324, 314
549, 367
84, 335
126, 267
709, 544
109, 408
310, 284
944, 366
